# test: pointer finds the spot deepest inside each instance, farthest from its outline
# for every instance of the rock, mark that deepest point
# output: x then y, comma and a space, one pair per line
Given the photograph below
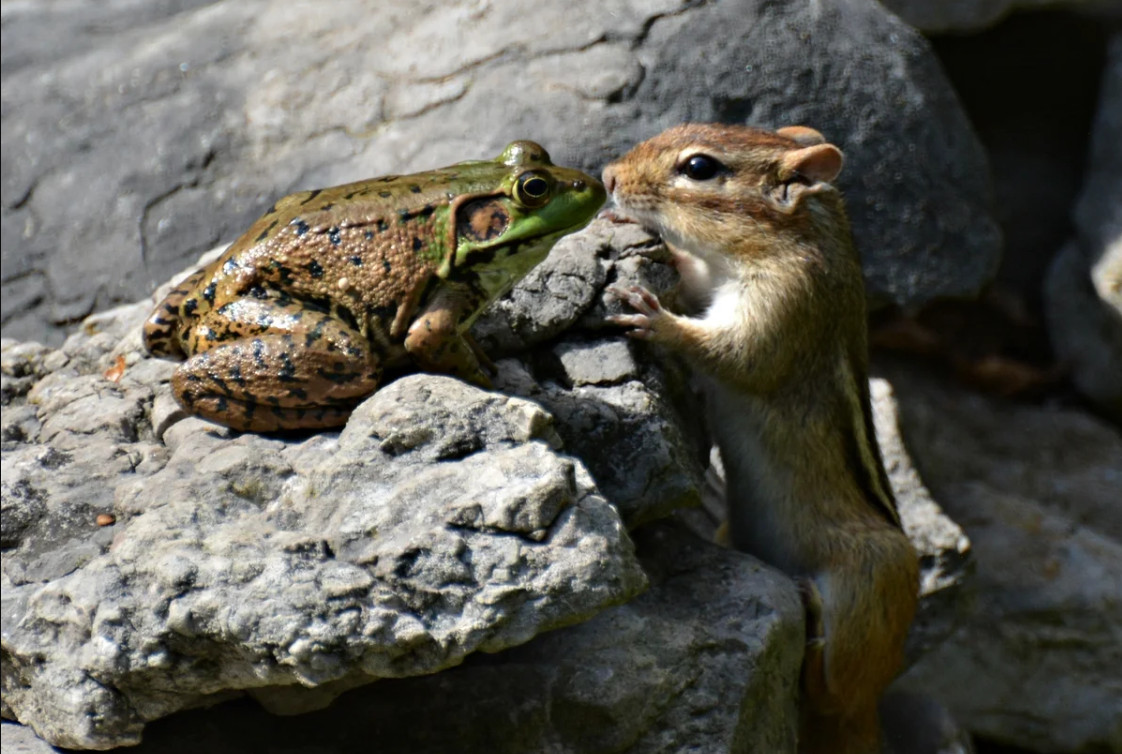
1084, 287
1034, 663
705, 660
943, 547
234, 567
192, 118
19, 739
441, 522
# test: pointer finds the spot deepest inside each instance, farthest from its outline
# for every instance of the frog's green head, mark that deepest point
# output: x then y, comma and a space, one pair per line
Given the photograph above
501, 234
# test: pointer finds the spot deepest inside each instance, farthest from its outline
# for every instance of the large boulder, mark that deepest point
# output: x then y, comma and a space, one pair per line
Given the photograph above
154, 133
441, 522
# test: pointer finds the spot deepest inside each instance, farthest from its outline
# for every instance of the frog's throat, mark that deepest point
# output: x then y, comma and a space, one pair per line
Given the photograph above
446, 264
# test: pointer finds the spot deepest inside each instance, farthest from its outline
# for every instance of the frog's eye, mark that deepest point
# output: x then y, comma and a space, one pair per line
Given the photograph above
533, 189
700, 167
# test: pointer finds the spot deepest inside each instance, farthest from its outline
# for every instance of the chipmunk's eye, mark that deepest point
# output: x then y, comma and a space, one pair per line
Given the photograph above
700, 167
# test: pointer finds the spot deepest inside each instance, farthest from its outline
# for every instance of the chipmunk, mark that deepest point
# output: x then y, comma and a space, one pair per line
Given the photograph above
763, 247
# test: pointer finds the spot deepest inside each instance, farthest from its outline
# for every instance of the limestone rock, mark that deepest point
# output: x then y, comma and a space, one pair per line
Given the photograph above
441, 522
152, 134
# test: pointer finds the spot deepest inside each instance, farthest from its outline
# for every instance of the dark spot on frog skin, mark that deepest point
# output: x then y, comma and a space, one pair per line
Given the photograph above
236, 375
418, 244
297, 392
272, 208
327, 206
220, 383
357, 260
386, 266
265, 233
287, 372
312, 195
382, 226
189, 306
414, 188
208, 292
301, 226
404, 215
385, 194
315, 269
256, 291
333, 235
229, 266
368, 235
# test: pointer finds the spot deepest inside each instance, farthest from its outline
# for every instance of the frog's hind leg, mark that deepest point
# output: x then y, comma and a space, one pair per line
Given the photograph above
276, 367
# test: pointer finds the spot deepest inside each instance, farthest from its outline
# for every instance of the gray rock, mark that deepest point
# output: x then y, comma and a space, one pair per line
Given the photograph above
441, 522
154, 133
1034, 663
706, 659
233, 567
1083, 292
943, 547
19, 739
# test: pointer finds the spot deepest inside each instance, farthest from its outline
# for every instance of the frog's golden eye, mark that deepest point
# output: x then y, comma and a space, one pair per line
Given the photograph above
533, 189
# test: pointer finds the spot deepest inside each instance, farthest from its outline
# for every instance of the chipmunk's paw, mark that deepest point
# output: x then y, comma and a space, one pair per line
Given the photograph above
647, 307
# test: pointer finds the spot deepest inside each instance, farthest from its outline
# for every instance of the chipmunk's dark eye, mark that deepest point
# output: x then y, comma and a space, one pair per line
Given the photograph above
700, 167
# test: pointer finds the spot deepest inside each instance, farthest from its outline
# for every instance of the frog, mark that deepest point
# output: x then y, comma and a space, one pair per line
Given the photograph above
298, 321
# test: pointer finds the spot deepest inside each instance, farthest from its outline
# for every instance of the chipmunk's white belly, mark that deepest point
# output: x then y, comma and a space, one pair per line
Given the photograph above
758, 486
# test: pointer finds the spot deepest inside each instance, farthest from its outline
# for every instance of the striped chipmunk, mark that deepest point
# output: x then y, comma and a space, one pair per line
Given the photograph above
777, 326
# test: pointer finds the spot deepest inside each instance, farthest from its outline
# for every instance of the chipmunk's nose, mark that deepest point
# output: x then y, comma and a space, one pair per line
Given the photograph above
609, 177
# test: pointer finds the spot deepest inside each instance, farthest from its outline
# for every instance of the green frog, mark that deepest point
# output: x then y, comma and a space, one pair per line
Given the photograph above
296, 322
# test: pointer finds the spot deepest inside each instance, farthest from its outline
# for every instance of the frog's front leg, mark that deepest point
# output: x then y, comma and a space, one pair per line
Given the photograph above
435, 342
275, 367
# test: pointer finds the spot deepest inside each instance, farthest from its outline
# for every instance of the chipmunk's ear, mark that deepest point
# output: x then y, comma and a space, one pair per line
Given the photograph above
816, 163
806, 137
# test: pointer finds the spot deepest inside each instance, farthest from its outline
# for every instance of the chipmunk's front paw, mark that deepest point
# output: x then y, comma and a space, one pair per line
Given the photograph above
649, 311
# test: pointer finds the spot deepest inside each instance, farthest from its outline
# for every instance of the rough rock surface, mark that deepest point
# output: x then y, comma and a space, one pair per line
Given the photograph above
1084, 287
705, 659
158, 130
1034, 663
251, 562
442, 520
